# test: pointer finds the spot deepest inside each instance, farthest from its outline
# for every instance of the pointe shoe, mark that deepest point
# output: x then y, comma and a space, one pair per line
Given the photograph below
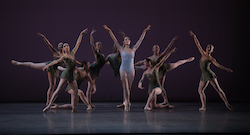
147, 108
15, 62
191, 59
202, 109
46, 109
89, 108
74, 110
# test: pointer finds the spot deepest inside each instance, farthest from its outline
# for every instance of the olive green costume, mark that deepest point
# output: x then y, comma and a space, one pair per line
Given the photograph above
206, 73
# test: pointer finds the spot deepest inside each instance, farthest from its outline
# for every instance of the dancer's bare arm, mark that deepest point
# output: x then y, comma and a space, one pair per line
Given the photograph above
53, 50
165, 58
138, 43
92, 43
169, 46
141, 80
79, 40
220, 66
197, 42
119, 47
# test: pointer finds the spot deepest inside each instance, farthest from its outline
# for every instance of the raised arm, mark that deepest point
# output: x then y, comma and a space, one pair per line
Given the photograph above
169, 46
53, 50
92, 43
165, 58
141, 80
119, 47
138, 43
79, 40
220, 66
197, 42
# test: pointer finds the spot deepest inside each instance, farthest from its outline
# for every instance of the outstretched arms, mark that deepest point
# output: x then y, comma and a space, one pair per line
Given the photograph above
138, 43
165, 58
79, 40
169, 46
92, 43
53, 50
220, 66
197, 42
113, 37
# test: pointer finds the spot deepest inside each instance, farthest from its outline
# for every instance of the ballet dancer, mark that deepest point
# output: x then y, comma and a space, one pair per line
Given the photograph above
67, 76
154, 87
166, 67
127, 71
81, 74
96, 66
52, 70
207, 75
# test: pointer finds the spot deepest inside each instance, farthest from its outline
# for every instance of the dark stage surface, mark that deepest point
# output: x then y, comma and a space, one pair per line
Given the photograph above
28, 118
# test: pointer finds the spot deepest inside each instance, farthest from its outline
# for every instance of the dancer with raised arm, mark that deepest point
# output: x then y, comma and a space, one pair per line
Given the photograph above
52, 70
96, 66
67, 76
207, 75
166, 67
127, 71
154, 87
81, 74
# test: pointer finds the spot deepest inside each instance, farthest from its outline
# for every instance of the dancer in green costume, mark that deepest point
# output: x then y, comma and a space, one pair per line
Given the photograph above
155, 87
67, 76
52, 70
208, 76
95, 67
165, 67
81, 74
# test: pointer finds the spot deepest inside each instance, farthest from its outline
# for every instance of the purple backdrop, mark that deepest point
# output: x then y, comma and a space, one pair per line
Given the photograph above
214, 22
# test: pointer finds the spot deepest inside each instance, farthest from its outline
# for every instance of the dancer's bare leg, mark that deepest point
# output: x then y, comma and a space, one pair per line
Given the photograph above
149, 102
180, 62
62, 83
89, 93
74, 87
65, 106
164, 94
217, 87
30, 64
127, 80
52, 84
121, 105
82, 97
201, 90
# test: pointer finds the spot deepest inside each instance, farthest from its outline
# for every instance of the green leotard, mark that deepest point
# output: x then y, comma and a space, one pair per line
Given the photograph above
206, 73
115, 62
68, 74
53, 69
153, 81
79, 81
95, 67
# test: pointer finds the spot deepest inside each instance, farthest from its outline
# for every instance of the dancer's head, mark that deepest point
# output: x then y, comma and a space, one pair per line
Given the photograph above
66, 47
209, 49
60, 46
148, 62
156, 49
126, 40
98, 46
85, 64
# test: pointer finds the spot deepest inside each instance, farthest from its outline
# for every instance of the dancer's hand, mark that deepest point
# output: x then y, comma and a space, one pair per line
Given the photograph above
174, 50
84, 31
175, 38
41, 35
106, 27
93, 31
140, 86
94, 89
148, 28
191, 33
45, 68
229, 70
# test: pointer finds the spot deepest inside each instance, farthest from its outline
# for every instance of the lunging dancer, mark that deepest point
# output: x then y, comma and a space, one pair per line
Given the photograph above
207, 75
67, 76
52, 70
96, 66
127, 71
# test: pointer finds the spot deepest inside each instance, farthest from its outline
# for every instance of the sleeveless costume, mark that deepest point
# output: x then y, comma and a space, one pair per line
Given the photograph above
163, 69
127, 64
79, 80
68, 74
153, 81
206, 73
53, 69
95, 67
115, 63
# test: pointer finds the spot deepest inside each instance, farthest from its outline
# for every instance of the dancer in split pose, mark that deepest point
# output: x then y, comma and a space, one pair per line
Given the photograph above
52, 70
155, 87
208, 76
67, 76
166, 67
81, 74
127, 71
96, 66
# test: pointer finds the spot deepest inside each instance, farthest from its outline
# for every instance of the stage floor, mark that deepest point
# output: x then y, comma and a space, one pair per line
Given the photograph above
28, 118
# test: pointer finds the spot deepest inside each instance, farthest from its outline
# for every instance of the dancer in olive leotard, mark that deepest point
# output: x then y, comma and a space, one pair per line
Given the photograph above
208, 76
67, 76
96, 66
155, 87
127, 71
52, 70
81, 74
166, 67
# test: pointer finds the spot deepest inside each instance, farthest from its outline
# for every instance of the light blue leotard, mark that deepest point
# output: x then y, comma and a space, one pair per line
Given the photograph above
127, 64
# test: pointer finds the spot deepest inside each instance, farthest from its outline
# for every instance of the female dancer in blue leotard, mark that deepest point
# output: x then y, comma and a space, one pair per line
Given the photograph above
208, 76
127, 71
67, 76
